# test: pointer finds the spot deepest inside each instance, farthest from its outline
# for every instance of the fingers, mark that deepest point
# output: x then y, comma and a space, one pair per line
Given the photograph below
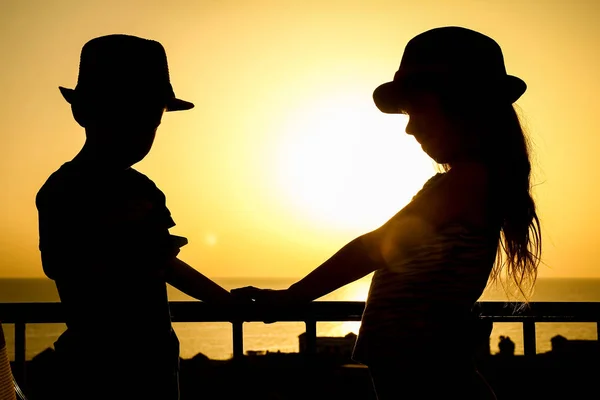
256, 294
266, 298
245, 293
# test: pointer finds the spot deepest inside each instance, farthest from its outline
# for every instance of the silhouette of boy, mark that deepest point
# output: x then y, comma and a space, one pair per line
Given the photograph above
104, 231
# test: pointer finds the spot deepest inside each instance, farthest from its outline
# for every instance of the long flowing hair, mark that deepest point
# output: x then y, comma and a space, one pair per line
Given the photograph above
505, 147
519, 252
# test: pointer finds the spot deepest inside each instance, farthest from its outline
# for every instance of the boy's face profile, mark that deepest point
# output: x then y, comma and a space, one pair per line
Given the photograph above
121, 130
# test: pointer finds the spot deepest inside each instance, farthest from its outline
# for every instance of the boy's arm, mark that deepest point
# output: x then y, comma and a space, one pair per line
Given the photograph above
191, 282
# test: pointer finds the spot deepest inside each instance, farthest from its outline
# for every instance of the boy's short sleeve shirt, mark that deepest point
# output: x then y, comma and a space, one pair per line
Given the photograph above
105, 241
117, 219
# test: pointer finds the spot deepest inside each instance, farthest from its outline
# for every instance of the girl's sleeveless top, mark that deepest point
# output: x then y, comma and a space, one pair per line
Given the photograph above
422, 303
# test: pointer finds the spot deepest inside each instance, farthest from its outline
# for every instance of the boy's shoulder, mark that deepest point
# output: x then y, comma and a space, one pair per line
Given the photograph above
71, 181
58, 182
140, 177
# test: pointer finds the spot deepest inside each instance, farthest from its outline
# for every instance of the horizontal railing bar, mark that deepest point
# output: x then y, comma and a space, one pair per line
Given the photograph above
21, 314
196, 311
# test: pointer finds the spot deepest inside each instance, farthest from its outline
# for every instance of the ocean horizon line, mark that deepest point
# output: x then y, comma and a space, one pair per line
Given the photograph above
296, 278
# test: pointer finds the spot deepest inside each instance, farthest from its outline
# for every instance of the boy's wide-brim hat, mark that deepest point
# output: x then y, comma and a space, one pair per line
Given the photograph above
123, 68
451, 59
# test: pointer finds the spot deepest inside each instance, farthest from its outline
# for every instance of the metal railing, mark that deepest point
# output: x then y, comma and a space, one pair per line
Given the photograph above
21, 314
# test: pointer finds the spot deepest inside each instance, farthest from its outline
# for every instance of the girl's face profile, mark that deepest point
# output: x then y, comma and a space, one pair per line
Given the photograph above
433, 127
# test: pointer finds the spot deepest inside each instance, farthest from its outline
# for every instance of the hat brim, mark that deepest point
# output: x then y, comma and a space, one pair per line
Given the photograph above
173, 104
176, 104
390, 96
68, 94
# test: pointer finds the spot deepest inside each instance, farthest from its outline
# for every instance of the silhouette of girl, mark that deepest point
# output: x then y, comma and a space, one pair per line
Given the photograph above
468, 225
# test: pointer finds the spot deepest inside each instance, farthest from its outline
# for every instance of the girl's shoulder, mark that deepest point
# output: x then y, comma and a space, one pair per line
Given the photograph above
430, 184
461, 181
462, 194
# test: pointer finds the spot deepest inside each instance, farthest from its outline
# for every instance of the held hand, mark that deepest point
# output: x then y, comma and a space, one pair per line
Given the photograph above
244, 295
266, 298
263, 296
247, 293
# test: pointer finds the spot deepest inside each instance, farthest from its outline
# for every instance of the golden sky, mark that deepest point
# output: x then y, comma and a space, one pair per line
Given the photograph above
285, 158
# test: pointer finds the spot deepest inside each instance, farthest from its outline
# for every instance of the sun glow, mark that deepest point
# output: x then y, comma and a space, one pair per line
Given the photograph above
344, 164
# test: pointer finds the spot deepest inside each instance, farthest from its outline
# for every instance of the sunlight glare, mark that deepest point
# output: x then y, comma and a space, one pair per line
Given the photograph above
355, 291
345, 164
210, 239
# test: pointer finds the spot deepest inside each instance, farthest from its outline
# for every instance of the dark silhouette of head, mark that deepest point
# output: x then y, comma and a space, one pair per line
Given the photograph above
506, 346
453, 85
443, 72
122, 91
559, 344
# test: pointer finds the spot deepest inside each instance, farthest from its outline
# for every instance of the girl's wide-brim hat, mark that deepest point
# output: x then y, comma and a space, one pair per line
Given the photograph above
450, 59
125, 69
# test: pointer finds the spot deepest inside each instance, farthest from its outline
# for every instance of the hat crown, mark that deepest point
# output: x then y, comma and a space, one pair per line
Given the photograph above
453, 50
451, 60
123, 64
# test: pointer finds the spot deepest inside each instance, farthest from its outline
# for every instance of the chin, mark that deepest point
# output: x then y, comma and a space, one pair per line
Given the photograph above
134, 161
438, 158
130, 160
442, 160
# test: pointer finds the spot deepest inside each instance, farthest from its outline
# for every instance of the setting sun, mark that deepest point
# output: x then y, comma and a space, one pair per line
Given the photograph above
344, 164
285, 157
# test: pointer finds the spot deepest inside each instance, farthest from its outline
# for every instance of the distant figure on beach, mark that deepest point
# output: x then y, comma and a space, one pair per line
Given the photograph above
104, 231
506, 346
468, 225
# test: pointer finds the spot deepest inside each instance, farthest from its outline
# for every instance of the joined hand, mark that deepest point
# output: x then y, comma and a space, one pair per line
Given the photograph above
261, 295
268, 298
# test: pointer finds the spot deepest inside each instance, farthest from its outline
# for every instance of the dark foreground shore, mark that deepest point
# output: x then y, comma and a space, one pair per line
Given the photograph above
294, 376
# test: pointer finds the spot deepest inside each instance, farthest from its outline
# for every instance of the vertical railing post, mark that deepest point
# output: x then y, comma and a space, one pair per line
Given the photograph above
20, 353
311, 336
238, 339
529, 345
